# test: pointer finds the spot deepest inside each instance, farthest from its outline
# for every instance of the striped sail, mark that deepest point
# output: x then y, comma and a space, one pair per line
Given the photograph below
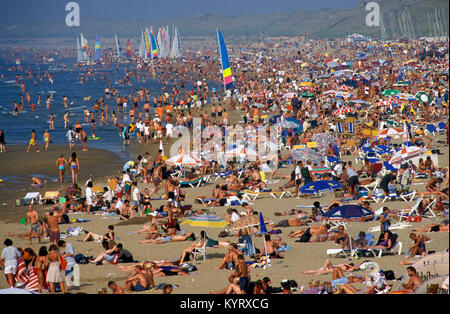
147, 44
226, 68
155, 49
97, 48
129, 49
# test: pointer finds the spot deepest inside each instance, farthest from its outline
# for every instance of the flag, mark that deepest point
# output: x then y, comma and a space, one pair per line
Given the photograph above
262, 227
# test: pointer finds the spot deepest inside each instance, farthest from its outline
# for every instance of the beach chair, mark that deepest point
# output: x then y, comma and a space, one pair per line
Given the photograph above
431, 129
378, 253
249, 195
193, 184
414, 211
29, 199
441, 127
49, 196
200, 252
340, 252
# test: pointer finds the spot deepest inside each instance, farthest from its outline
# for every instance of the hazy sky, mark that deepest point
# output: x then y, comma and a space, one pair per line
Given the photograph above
154, 10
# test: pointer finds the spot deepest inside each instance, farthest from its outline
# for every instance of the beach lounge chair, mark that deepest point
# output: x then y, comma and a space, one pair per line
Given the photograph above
379, 195
372, 186
30, 198
200, 252
441, 127
397, 245
193, 184
414, 211
249, 195
49, 196
205, 201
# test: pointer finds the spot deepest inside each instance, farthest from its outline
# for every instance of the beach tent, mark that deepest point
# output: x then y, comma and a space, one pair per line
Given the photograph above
423, 288
184, 161
317, 187
347, 213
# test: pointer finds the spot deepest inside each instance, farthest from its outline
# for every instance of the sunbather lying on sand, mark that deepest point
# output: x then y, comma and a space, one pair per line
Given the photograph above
328, 267
441, 227
317, 231
170, 238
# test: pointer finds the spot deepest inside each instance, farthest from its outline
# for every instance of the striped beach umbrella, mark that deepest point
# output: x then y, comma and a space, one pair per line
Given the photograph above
407, 153
344, 110
184, 161
390, 132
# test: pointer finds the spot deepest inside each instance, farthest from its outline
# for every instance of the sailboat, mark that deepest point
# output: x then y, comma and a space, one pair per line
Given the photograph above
142, 53
128, 49
155, 48
80, 56
176, 46
118, 47
85, 48
226, 68
148, 48
97, 49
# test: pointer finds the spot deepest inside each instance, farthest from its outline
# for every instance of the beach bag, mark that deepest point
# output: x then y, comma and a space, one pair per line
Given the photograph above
389, 275
305, 172
115, 259
63, 263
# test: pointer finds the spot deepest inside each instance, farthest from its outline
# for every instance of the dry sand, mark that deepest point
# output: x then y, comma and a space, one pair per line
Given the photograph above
301, 256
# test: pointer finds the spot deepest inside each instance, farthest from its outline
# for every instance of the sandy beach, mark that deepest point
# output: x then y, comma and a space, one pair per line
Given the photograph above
301, 256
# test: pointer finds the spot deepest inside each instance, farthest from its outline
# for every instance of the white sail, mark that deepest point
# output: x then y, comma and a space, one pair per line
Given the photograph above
80, 56
142, 52
176, 46
118, 47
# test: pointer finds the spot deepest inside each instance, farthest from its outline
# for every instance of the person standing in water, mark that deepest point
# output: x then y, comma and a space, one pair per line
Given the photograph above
61, 163
75, 165
2, 142
46, 139
52, 122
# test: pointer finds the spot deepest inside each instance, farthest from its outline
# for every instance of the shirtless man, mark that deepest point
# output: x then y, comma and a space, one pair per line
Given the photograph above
230, 257
137, 282
33, 141
61, 163
414, 280
270, 248
53, 227
115, 288
241, 274
33, 222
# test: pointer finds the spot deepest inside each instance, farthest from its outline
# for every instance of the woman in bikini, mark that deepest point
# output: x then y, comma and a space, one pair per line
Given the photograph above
147, 205
40, 268
328, 267
75, 165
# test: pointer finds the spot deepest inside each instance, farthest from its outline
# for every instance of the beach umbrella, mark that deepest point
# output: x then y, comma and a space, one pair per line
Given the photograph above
343, 110
406, 153
352, 83
184, 161
305, 83
422, 96
341, 94
307, 95
209, 221
331, 91
305, 154
241, 152
290, 95
331, 64
390, 92
320, 186
348, 213
324, 140
390, 132
405, 96
257, 105
402, 83
346, 88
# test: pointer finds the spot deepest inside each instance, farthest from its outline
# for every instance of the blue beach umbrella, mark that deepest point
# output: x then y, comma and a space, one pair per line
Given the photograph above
320, 186
348, 213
